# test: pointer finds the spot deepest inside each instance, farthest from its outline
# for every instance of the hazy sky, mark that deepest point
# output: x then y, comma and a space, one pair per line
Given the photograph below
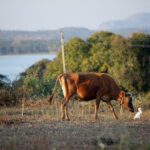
54, 14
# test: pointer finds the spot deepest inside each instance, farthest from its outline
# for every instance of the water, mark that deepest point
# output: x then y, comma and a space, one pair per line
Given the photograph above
13, 65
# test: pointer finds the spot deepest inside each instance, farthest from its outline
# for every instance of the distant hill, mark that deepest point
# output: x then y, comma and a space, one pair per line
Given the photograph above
139, 22
69, 32
14, 42
19, 42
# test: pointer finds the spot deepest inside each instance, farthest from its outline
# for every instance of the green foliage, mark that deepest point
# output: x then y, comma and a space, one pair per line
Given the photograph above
141, 48
126, 59
99, 50
8, 95
123, 63
33, 80
75, 52
4, 82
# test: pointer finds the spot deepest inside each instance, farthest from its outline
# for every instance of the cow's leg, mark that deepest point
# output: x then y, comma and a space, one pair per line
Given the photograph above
112, 109
64, 108
66, 113
96, 108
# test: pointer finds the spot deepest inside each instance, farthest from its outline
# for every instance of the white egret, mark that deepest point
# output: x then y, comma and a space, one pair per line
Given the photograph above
138, 114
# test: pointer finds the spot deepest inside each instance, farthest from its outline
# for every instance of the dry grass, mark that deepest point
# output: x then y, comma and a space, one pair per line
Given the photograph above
40, 127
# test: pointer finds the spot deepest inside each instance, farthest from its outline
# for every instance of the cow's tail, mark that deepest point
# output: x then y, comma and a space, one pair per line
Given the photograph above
54, 90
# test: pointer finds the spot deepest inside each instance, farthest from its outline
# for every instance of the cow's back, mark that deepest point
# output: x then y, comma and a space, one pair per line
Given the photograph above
110, 85
88, 84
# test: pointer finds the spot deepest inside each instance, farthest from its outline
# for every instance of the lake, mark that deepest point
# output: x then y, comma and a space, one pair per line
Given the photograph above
13, 65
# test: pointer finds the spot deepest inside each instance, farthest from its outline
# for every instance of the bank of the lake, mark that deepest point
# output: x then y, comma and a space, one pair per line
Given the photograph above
13, 65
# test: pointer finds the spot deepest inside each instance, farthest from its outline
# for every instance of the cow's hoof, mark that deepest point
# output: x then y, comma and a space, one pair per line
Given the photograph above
67, 119
95, 119
62, 118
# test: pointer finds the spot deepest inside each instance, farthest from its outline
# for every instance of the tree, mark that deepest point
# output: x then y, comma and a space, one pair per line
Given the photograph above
75, 52
124, 65
102, 38
99, 45
140, 44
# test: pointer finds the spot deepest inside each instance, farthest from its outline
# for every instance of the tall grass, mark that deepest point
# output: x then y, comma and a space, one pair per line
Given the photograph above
41, 127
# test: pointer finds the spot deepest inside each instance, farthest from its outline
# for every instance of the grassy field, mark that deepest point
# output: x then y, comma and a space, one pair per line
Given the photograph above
40, 127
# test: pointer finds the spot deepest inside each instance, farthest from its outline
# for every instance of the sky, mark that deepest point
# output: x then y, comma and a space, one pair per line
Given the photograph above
54, 14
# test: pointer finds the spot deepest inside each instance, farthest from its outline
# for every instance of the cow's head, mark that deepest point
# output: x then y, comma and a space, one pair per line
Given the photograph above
126, 100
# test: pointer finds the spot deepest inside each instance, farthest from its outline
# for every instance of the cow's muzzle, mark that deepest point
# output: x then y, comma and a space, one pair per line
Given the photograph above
131, 110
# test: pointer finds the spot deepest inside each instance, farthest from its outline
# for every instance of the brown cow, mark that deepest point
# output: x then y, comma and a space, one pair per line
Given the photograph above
89, 86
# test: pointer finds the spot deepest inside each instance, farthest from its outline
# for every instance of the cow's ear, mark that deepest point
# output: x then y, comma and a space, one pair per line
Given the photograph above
122, 94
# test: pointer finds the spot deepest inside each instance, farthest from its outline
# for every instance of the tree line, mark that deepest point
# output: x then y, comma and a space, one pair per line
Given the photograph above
27, 46
44, 41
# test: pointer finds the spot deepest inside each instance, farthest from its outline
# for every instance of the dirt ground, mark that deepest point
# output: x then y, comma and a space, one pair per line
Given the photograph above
42, 129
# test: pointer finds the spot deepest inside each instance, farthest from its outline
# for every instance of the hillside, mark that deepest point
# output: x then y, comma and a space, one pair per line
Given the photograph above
20, 42
14, 42
139, 22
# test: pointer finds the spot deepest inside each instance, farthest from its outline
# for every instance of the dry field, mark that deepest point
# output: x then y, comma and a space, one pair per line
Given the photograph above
40, 128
